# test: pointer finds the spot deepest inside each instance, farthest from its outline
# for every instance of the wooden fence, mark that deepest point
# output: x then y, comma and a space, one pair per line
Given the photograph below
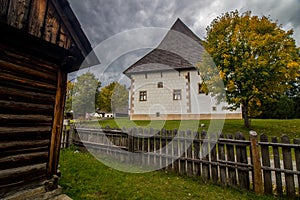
265, 166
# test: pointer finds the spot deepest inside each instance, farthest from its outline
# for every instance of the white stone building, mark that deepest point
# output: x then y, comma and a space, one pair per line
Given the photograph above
164, 85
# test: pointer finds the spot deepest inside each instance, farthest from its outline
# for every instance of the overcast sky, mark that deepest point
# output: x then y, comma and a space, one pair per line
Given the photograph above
101, 19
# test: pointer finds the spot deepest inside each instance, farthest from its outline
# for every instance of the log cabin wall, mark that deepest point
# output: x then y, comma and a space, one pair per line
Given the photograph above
40, 42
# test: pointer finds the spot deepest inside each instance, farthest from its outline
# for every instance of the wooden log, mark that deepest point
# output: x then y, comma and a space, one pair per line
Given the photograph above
288, 164
12, 107
230, 157
24, 119
241, 157
14, 175
28, 72
266, 162
19, 80
297, 158
221, 155
213, 153
277, 166
57, 123
14, 145
30, 61
20, 160
257, 176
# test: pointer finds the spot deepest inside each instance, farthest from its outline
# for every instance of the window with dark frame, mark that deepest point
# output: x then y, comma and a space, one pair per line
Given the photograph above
214, 108
176, 94
160, 85
143, 95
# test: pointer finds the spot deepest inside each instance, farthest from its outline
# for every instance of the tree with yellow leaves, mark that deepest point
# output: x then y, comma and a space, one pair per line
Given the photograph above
256, 59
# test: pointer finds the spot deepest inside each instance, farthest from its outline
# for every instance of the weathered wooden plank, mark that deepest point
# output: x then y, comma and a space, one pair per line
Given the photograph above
158, 149
18, 13
297, 158
13, 161
255, 158
241, 157
182, 153
35, 21
3, 10
266, 162
13, 94
277, 166
51, 25
221, 155
189, 153
230, 157
205, 156
213, 153
196, 145
57, 123
288, 164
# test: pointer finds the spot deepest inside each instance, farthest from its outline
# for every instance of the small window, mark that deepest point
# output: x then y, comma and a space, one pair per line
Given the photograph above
176, 94
214, 108
146, 76
160, 85
143, 95
157, 114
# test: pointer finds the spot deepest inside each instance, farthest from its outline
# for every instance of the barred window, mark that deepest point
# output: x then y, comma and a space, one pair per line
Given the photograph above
176, 94
143, 95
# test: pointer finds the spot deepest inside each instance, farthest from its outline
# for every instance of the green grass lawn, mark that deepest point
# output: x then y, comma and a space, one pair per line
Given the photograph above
83, 177
270, 127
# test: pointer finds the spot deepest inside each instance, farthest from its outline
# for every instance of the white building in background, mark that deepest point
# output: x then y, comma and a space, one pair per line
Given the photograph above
165, 86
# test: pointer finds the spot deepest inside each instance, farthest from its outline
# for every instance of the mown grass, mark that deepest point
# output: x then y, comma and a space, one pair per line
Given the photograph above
83, 177
270, 127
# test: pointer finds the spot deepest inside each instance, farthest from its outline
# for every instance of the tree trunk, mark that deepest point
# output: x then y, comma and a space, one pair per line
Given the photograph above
245, 113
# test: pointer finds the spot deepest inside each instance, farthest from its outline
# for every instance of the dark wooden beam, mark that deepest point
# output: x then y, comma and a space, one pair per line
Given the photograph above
57, 124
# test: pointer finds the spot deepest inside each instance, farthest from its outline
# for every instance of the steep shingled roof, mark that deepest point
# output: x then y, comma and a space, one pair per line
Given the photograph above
178, 50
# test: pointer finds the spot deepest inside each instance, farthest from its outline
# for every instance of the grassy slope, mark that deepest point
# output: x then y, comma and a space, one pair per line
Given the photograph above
83, 177
271, 127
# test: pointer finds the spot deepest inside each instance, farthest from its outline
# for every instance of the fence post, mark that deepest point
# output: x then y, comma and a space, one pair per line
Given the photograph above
257, 175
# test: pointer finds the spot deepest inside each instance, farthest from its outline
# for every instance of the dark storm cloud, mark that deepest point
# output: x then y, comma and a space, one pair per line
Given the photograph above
103, 18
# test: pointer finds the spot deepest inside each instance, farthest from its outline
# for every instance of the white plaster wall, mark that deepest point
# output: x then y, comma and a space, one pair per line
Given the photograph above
161, 99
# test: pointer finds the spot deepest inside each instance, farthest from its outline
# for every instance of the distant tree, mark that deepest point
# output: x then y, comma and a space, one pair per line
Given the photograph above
85, 93
256, 58
70, 87
113, 97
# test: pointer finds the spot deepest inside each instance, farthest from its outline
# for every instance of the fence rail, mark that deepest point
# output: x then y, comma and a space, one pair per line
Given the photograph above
269, 167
